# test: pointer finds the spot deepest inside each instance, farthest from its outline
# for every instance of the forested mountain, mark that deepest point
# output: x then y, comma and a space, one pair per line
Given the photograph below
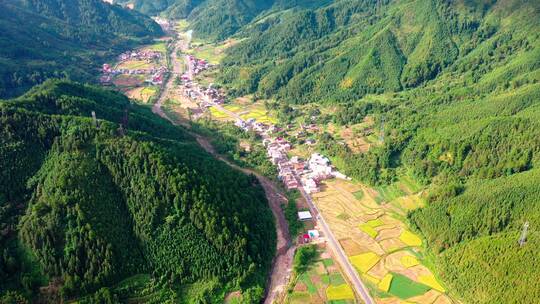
217, 19
455, 87
57, 38
83, 208
348, 49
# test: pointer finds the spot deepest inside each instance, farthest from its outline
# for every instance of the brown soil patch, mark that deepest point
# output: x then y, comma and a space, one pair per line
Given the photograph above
325, 255
392, 244
300, 286
393, 262
320, 268
387, 301
245, 145
232, 296
316, 280
244, 100
351, 247
134, 93
316, 299
356, 143
127, 81
378, 271
332, 269
443, 299
386, 234
427, 298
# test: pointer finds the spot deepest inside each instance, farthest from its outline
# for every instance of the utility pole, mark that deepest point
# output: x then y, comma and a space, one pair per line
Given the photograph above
124, 123
95, 120
523, 238
381, 138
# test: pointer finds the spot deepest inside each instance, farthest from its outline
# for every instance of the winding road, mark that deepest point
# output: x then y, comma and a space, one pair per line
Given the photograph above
282, 263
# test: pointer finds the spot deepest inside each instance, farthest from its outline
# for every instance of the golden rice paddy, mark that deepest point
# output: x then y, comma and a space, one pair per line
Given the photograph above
341, 292
363, 262
377, 242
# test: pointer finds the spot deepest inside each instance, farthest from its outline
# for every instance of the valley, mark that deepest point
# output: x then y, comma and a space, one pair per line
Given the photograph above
269, 151
366, 236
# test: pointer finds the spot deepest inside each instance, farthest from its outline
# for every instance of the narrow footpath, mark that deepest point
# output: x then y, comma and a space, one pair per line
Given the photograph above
282, 263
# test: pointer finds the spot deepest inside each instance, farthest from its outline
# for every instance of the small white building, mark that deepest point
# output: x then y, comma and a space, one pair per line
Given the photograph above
304, 215
313, 234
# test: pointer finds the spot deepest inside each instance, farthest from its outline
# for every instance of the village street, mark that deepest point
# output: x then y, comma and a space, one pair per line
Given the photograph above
282, 263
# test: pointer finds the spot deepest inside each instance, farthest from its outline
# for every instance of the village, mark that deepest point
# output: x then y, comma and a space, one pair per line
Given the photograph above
361, 238
153, 75
359, 241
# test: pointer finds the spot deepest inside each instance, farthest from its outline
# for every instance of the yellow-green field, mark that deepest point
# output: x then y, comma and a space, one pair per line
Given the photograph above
181, 25
136, 64
382, 248
142, 94
247, 111
218, 115
340, 292
213, 53
158, 47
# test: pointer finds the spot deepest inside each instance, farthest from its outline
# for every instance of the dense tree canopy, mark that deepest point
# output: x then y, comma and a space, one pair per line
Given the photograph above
94, 207
58, 38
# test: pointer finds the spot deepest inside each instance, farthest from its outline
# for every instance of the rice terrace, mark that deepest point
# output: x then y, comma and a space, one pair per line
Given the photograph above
383, 250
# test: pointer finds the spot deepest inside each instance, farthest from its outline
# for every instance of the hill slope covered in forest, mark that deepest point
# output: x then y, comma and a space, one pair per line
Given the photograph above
85, 208
453, 86
217, 19
57, 38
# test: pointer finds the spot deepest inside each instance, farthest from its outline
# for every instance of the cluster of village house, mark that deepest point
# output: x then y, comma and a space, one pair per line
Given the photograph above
156, 75
294, 172
196, 65
206, 96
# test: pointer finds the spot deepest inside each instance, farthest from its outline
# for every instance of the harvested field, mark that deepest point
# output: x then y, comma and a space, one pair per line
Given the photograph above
428, 297
128, 81
377, 242
137, 65
379, 270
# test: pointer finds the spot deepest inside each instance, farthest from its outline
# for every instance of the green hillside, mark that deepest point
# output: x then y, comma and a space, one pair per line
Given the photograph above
453, 86
57, 38
84, 208
348, 49
218, 19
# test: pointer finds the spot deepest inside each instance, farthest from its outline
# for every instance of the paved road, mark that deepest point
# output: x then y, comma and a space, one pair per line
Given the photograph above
341, 257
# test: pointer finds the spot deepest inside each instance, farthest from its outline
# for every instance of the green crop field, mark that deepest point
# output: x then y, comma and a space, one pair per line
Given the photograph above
404, 288
158, 47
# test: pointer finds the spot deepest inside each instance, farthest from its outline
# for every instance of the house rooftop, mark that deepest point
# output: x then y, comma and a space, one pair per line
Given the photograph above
304, 215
